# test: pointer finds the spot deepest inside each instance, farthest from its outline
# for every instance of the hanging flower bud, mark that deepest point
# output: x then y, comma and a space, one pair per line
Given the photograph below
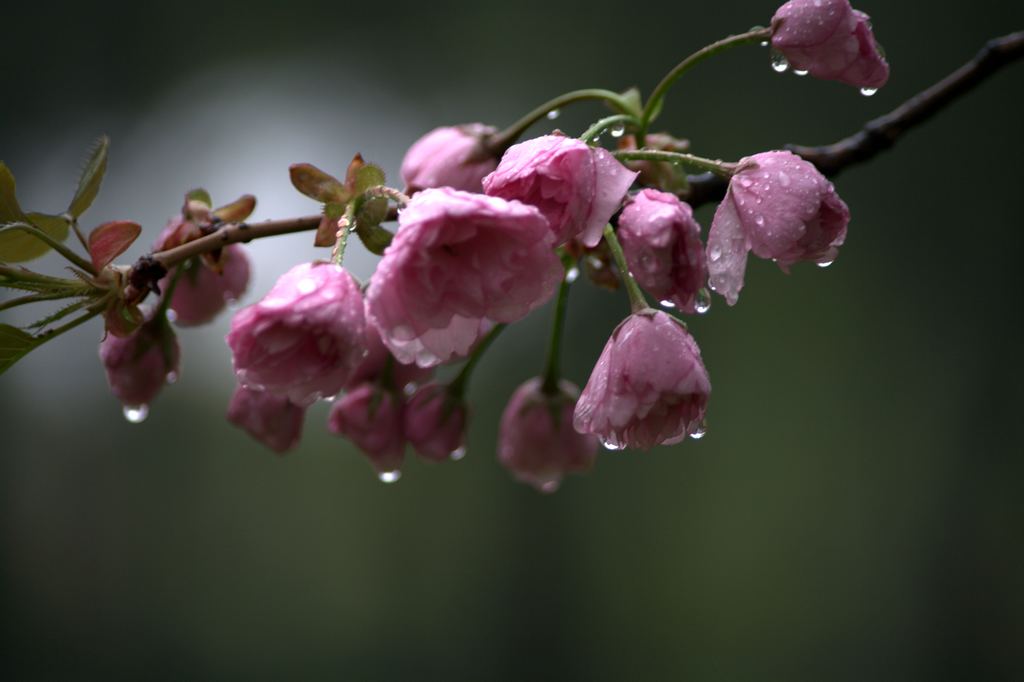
458, 262
201, 293
830, 40
304, 338
435, 423
452, 156
577, 187
372, 419
663, 175
780, 207
139, 365
537, 441
649, 386
661, 241
271, 419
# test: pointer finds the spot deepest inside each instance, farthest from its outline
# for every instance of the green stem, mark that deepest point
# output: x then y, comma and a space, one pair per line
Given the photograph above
57, 331
165, 302
52, 243
636, 297
757, 35
344, 225
552, 369
697, 162
36, 298
504, 139
457, 387
605, 123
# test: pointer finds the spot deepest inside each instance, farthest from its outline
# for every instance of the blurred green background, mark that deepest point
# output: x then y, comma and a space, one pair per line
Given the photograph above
855, 513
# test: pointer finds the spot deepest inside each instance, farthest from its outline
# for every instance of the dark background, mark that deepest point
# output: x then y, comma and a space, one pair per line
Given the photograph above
855, 512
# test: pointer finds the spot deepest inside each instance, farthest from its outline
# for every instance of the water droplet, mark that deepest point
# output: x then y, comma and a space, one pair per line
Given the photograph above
715, 253
171, 377
618, 131
389, 476
699, 432
800, 72
825, 263
779, 62
703, 303
596, 139
306, 286
553, 114
458, 453
784, 179
867, 92
233, 303
611, 445
171, 315
549, 487
764, 43
572, 274
759, 220
328, 398
667, 304
136, 414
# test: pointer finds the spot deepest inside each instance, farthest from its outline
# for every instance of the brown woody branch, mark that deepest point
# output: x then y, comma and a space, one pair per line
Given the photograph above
882, 133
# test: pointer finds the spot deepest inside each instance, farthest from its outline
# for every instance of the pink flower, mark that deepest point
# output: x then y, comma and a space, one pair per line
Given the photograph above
458, 263
201, 293
830, 40
452, 156
649, 386
537, 441
271, 419
374, 365
435, 423
577, 187
139, 365
304, 338
661, 241
780, 207
372, 419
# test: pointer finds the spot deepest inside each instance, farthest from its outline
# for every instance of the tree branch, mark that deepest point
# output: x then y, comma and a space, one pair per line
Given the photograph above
882, 133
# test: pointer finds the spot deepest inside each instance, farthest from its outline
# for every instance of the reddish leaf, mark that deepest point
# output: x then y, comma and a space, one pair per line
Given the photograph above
326, 232
110, 240
238, 210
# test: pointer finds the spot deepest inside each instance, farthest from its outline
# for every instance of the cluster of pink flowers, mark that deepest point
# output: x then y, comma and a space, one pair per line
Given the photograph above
480, 244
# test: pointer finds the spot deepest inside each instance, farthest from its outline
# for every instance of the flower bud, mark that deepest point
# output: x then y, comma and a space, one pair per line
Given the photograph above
661, 241
271, 419
830, 40
577, 187
780, 207
379, 365
537, 442
459, 262
304, 339
372, 419
649, 386
140, 364
452, 156
201, 293
435, 423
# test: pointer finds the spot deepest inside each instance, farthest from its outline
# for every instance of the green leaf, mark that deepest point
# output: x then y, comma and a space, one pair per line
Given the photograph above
14, 345
316, 184
372, 212
368, 176
110, 240
17, 246
238, 210
201, 195
60, 314
92, 177
374, 237
634, 103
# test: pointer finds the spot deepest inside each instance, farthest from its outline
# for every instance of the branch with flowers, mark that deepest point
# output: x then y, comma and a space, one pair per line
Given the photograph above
489, 228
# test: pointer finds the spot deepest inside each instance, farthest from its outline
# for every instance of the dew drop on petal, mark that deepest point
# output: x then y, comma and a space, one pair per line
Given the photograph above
549, 487
389, 476
553, 114
458, 453
306, 286
171, 377
667, 304
572, 274
825, 263
611, 445
867, 92
779, 62
699, 432
136, 414
703, 303
715, 253
171, 315
800, 72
